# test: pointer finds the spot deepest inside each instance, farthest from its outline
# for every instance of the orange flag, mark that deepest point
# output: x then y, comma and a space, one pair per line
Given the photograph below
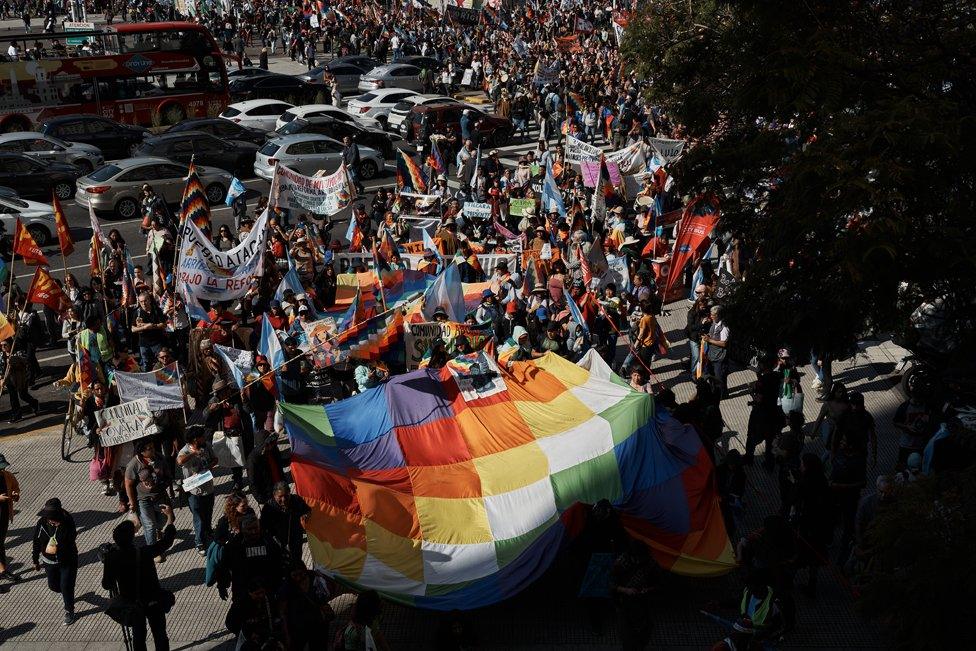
44, 290
6, 330
26, 247
61, 224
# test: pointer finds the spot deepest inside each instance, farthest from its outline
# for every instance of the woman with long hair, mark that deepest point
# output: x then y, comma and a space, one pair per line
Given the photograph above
228, 526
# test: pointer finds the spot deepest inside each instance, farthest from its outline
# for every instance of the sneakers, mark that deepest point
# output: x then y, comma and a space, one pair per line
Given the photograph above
201, 551
70, 618
161, 558
816, 384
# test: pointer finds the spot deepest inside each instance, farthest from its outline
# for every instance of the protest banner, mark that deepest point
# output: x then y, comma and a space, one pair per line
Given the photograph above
418, 338
591, 172
488, 261
126, 422
474, 210
576, 150
322, 195
462, 15
161, 387
215, 275
697, 223
666, 148
724, 287
197, 480
629, 160
518, 207
568, 44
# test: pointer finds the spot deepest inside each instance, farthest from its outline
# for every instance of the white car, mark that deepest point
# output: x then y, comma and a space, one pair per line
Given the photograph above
324, 110
377, 104
256, 113
35, 216
398, 114
392, 75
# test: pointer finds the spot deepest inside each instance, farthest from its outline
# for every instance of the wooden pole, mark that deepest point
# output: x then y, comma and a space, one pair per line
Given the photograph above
10, 284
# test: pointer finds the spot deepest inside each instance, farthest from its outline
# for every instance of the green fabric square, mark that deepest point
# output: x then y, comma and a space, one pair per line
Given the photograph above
508, 550
434, 590
312, 420
628, 415
588, 482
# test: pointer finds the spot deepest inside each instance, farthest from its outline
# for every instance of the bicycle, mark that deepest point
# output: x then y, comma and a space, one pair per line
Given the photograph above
72, 429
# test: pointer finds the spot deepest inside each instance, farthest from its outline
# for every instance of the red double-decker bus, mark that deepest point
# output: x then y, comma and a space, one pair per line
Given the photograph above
150, 74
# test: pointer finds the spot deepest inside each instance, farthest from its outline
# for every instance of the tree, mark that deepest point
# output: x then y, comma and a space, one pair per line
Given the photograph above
920, 578
839, 137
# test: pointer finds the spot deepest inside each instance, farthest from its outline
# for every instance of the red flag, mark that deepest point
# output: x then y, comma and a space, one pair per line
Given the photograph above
697, 222
61, 225
584, 266
26, 247
44, 290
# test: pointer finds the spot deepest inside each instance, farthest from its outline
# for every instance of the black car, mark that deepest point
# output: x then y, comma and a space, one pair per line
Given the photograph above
35, 178
358, 60
232, 155
281, 87
430, 63
114, 139
221, 128
337, 130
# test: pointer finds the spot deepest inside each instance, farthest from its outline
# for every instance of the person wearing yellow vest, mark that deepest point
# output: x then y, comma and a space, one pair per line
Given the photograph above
761, 606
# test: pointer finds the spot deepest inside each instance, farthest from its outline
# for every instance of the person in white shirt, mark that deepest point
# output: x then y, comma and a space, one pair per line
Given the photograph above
12, 53
717, 352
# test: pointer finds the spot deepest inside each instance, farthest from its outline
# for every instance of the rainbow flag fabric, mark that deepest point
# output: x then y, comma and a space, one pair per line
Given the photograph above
457, 487
409, 174
194, 205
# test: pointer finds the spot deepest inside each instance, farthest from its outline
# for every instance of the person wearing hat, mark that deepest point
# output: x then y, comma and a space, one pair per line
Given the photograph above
449, 239
9, 494
429, 263
13, 379
440, 315
524, 352
55, 548
488, 311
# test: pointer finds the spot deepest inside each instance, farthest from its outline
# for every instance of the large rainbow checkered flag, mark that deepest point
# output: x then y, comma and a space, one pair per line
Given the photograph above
195, 206
456, 488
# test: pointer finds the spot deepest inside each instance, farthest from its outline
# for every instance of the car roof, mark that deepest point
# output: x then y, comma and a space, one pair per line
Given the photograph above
178, 135
383, 92
308, 108
22, 135
437, 105
81, 116
248, 104
138, 161
301, 137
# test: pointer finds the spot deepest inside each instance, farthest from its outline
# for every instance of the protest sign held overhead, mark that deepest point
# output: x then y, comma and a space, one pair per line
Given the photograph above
125, 422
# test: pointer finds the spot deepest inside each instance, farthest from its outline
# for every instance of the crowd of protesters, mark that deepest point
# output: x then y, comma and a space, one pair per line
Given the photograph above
133, 318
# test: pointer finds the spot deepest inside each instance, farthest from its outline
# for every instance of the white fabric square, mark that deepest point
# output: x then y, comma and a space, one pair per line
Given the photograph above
599, 394
520, 511
378, 575
446, 564
574, 446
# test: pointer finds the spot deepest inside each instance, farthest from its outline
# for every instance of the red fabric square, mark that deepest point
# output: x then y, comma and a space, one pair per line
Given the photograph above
436, 443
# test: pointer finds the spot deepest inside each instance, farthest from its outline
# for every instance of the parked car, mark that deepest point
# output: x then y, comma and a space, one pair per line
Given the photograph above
346, 74
116, 188
256, 113
37, 218
309, 153
430, 63
37, 145
400, 110
446, 118
235, 156
225, 129
392, 75
337, 130
359, 60
249, 71
320, 110
284, 88
377, 104
37, 179
113, 139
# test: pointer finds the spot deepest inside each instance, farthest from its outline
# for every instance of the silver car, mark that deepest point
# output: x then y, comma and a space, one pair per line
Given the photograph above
309, 153
37, 145
117, 187
35, 216
393, 75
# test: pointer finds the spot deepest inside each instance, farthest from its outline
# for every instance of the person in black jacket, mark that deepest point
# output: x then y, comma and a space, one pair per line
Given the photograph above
55, 548
283, 519
249, 555
131, 573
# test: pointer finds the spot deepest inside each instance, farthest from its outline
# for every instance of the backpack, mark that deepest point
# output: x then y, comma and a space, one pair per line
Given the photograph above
215, 555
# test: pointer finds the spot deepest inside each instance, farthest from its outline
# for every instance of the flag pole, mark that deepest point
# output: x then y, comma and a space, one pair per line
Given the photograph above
379, 276
10, 284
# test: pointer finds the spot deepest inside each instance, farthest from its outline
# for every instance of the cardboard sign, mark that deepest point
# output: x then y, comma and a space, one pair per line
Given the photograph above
126, 422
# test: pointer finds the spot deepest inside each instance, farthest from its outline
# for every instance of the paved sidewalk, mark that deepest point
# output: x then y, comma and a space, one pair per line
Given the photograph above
546, 616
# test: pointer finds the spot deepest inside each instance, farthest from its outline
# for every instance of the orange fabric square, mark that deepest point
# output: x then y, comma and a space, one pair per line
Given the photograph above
391, 509
325, 486
454, 480
545, 386
335, 526
436, 443
487, 430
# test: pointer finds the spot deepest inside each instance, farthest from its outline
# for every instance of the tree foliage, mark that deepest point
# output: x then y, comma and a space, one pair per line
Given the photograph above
839, 137
922, 578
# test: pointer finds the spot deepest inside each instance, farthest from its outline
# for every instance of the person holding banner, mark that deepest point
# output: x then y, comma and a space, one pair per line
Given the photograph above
197, 461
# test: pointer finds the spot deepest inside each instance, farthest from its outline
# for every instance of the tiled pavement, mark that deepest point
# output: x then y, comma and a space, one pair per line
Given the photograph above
543, 617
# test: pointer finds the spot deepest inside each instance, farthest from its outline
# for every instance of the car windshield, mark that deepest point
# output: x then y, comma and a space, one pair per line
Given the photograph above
105, 172
13, 202
270, 148
58, 141
367, 97
295, 126
230, 112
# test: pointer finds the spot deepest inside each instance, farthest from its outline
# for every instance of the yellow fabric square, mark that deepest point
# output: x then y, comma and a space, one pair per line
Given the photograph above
347, 561
563, 412
565, 371
453, 521
402, 554
506, 471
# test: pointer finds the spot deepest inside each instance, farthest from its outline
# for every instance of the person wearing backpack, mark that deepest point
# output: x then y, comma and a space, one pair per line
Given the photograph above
55, 548
129, 574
